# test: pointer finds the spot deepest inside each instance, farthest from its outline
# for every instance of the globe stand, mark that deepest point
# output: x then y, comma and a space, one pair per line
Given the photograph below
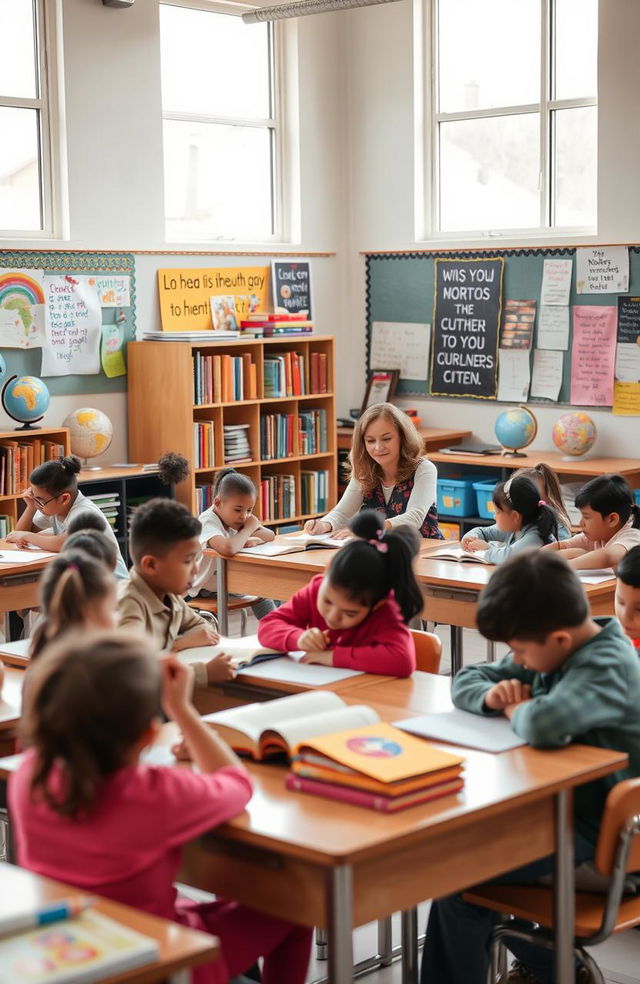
87, 467
25, 427
513, 454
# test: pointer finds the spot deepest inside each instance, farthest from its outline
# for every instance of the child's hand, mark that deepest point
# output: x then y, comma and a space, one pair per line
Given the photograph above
220, 668
28, 499
251, 524
325, 657
555, 545
312, 640
473, 544
317, 526
181, 751
204, 635
344, 534
505, 694
21, 538
176, 686
253, 541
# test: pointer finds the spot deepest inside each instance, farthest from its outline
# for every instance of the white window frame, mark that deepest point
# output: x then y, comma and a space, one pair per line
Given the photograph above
274, 122
428, 121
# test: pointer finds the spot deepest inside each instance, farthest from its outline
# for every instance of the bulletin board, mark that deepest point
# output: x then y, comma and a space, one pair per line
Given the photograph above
74, 263
400, 289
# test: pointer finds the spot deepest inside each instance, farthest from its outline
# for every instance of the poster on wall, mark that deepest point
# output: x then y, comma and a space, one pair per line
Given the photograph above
466, 320
73, 327
593, 355
626, 389
291, 288
185, 295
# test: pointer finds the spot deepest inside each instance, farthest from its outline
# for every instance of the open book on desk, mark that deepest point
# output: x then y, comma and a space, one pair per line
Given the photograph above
457, 553
244, 652
294, 544
28, 556
275, 726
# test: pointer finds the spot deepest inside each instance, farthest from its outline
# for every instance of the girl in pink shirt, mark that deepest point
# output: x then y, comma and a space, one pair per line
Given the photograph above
87, 811
355, 615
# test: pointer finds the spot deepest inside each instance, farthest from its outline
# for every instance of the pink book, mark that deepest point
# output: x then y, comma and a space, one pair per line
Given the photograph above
359, 797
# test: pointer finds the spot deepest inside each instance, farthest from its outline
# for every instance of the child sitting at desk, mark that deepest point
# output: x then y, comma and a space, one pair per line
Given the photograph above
570, 677
610, 525
51, 502
227, 527
547, 483
388, 474
165, 547
627, 599
87, 811
523, 520
87, 531
355, 615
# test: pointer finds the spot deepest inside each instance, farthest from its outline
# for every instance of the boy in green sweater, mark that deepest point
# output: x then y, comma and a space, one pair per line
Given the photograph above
570, 677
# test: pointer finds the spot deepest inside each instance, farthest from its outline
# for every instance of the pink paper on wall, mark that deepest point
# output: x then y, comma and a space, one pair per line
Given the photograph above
593, 355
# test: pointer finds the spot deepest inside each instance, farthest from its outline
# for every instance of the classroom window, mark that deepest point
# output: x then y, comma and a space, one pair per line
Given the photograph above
25, 153
220, 126
514, 137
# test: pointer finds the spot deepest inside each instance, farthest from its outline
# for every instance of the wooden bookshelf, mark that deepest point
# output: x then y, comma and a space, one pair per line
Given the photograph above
162, 412
11, 504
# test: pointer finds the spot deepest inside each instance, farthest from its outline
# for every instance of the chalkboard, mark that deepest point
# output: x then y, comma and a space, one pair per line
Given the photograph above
28, 362
400, 288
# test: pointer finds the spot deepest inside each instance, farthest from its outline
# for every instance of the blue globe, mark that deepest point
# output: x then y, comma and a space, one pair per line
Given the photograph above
25, 398
516, 428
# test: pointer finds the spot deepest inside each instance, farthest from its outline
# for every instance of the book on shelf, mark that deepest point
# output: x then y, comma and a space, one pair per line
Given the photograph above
277, 497
294, 544
314, 487
223, 378
273, 727
204, 498
312, 431
108, 948
236, 443
204, 444
457, 553
6, 525
277, 435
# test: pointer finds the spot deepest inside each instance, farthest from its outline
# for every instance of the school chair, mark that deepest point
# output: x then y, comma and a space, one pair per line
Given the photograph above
596, 916
210, 606
428, 650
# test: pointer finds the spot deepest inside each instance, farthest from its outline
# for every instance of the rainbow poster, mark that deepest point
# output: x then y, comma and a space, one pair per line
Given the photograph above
22, 294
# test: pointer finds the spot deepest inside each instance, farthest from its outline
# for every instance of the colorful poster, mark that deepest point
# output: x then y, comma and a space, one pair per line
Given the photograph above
185, 294
113, 289
73, 324
593, 355
22, 292
291, 288
556, 281
553, 328
517, 325
602, 270
547, 373
515, 374
111, 351
223, 313
626, 399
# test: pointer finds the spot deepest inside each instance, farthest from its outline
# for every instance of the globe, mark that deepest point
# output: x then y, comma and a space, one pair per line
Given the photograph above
515, 429
574, 434
26, 399
90, 432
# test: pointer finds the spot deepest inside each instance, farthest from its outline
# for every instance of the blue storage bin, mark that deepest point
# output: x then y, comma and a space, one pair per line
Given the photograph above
456, 496
636, 493
484, 492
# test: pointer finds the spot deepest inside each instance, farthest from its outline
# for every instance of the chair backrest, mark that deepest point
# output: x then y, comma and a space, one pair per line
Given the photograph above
428, 651
623, 803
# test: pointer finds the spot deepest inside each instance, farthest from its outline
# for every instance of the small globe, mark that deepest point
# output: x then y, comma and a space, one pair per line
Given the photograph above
90, 432
516, 428
574, 433
26, 399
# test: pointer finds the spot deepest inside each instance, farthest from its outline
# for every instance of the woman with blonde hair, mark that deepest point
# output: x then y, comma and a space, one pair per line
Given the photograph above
388, 474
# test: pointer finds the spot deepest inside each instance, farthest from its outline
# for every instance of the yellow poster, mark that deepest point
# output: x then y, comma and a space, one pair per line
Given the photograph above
626, 399
185, 296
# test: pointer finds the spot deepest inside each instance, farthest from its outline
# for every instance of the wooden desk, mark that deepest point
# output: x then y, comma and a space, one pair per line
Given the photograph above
179, 946
19, 583
10, 708
577, 468
433, 437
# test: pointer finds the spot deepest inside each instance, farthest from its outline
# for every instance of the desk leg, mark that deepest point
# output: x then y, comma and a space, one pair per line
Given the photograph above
222, 596
564, 890
410, 946
456, 649
340, 924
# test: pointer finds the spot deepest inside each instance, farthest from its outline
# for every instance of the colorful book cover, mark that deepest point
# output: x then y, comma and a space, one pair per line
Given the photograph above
357, 797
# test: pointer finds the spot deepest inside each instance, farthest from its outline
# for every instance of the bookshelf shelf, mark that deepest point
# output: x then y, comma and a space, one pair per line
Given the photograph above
159, 422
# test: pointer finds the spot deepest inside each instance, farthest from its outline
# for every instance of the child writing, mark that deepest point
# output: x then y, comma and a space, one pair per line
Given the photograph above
570, 677
51, 502
228, 526
610, 525
547, 484
627, 599
92, 706
165, 547
523, 520
355, 615
388, 474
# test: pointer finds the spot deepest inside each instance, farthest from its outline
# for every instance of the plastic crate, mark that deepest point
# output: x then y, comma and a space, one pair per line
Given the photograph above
636, 493
450, 531
484, 493
456, 496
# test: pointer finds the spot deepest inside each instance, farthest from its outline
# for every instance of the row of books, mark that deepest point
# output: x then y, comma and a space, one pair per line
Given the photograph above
204, 444
204, 498
17, 461
312, 431
277, 497
293, 374
223, 378
109, 505
314, 491
6, 525
263, 325
277, 435
236, 443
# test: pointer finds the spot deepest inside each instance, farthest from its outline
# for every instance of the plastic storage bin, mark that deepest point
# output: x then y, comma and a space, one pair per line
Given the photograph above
484, 492
636, 493
456, 496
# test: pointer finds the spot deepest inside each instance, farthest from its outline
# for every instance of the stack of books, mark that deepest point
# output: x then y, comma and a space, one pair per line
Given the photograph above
109, 505
314, 491
269, 325
204, 498
18, 459
236, 444
203, 444
223, 378
277, 497
277, 434
204, 335
312, 431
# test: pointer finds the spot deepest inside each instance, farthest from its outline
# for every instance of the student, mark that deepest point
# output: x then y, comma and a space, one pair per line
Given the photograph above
87, 531
92, 706
165, 547
610, 525
388, 474
76, 591
547, 484
523, 520
228, 526
627, 600
51, 502
355, 615
570, 677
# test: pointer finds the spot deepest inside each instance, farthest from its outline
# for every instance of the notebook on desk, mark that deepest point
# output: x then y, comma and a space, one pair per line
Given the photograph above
473, 447
15, 653
460, 555
456, 727
294, 544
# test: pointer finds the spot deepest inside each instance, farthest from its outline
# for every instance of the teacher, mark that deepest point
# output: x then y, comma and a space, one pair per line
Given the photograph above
388, 474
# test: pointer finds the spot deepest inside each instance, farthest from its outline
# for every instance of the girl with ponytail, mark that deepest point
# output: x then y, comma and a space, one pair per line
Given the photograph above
355, 615
523, 521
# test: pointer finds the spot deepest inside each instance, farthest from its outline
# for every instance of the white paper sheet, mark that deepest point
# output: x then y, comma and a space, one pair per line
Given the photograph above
396, 345
556, 281
24, 556
547, 373
312, 674
514, 375
456, 727
113, 289
73, 328
627, 363
602, 270
553, 327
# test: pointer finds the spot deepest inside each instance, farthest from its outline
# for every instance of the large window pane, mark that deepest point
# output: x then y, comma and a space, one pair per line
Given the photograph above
576, 48
20, 199
218, 181
488, 54
576, 135
213, 64
18, 77
489, 173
